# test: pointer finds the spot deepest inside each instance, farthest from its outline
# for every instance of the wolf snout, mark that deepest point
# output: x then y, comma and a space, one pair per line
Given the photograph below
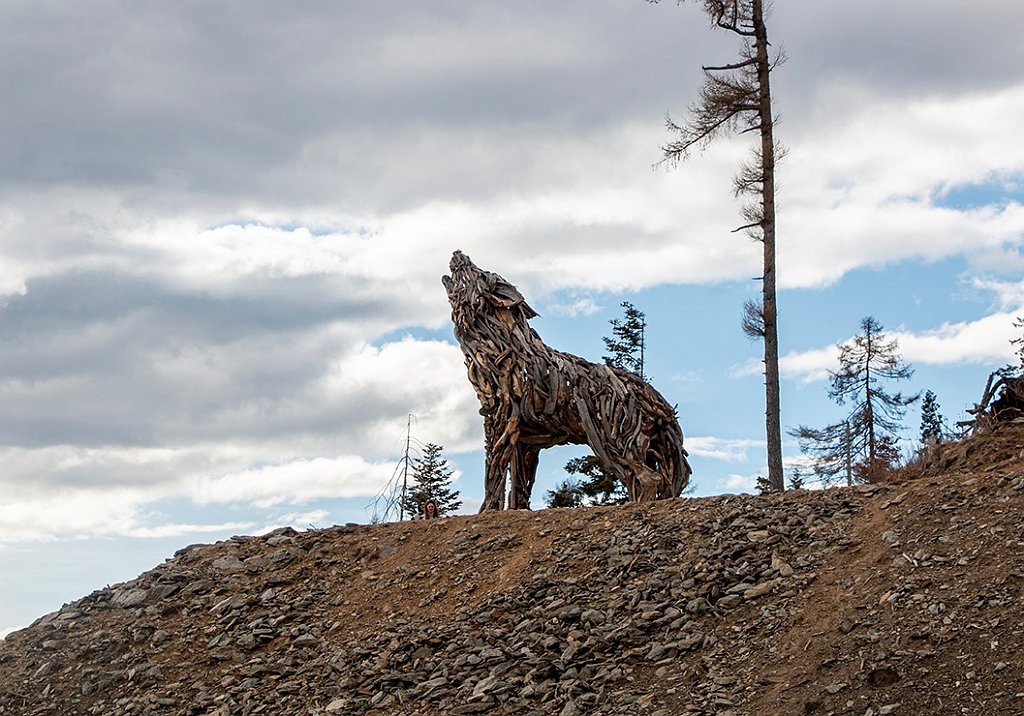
459, 260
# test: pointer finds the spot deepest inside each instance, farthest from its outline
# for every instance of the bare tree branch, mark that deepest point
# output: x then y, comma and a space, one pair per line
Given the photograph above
752, 322
738, 65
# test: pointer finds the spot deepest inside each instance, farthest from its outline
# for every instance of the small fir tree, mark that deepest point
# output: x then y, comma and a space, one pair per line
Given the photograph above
933, 426
566, 494
431, 481
796, 479
626, 348
763, 485
598, 486
830, 449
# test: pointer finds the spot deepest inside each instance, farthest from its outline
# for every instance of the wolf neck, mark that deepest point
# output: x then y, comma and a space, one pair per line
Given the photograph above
506, 331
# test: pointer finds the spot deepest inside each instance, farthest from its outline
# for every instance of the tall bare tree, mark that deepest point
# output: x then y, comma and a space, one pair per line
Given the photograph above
737, 98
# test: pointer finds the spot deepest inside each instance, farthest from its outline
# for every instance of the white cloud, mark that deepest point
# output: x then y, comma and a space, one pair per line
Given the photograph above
470, 505
425, 378
578, 307
67, 490
869, 188
730, 450
986, 340
1009, 294
178, 530
295, 482
856, 190
810, 365
458, 50
69, 512
38, 512
741, 483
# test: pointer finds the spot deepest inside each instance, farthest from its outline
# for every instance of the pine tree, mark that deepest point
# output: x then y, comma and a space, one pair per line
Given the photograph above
763, 485
431, 481
627, 346
599, 486
796, 479
737, 98
566, 494
932, 424
863, 445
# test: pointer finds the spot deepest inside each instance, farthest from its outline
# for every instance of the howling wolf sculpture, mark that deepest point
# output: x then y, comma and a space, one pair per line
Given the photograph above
533, 397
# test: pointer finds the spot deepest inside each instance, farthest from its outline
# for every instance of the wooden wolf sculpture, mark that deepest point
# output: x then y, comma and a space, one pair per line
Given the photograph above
533, 397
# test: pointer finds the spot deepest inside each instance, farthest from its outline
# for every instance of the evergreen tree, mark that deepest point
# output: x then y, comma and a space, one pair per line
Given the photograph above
598, 487
932, 425
864, 444
763, 485
567, 494
431, 481
737, 98
796, 479
626, 348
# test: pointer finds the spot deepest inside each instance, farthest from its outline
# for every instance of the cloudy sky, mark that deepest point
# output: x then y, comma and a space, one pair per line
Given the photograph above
223, 225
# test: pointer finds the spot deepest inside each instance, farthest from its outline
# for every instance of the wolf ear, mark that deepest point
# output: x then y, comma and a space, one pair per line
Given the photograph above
501, 293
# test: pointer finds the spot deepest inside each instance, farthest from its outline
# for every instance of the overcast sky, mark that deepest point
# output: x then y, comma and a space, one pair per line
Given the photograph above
223, 227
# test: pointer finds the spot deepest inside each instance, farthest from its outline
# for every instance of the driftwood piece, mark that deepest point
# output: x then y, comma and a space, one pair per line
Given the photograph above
533, 397
1002, 402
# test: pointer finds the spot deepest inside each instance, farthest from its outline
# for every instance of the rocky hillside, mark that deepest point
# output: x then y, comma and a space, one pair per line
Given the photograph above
906, 598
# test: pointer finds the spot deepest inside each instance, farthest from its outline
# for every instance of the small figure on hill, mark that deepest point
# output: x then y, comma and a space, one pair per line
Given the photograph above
431, 484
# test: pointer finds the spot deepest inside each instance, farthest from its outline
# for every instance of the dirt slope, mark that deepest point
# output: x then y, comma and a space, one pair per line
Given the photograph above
906, 598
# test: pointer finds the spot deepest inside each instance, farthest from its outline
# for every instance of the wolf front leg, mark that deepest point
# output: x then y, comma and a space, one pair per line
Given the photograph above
647, 483
495, 480
498, 460
523, 474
